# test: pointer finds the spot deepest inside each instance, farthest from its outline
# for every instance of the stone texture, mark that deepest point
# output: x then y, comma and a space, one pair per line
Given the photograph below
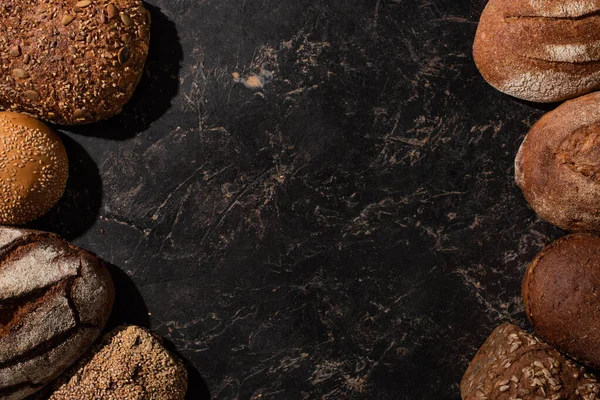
338, 220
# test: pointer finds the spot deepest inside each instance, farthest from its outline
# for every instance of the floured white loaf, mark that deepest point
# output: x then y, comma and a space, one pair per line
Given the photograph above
54, 301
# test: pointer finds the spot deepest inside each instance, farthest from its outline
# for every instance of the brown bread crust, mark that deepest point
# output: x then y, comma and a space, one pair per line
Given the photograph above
54, 301
514, 364
540, 50
71, 61
561, 290
130, 364
558, 165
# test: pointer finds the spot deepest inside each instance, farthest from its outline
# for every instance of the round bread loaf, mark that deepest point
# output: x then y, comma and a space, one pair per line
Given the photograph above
512, 364
540, 50
33, 168
561, 293
558, 165
129, 364
71, 61
54, 301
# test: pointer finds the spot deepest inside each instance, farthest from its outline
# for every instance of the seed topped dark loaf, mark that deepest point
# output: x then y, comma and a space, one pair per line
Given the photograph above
512, 364
71, 61
561, 294
540, 50
54, 301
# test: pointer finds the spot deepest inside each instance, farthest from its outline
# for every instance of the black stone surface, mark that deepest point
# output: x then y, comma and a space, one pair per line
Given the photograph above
349, 230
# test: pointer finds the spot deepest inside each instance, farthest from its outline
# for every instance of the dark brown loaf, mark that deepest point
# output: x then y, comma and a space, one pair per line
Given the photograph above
512, 364
561, 293
54, 301
71, 61
540, 50
558, 165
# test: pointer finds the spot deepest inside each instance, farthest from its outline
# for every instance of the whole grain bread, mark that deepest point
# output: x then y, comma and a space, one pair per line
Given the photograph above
54, 301
513, 364
129, 364
540, 50
71, 61
558, 165
561, 290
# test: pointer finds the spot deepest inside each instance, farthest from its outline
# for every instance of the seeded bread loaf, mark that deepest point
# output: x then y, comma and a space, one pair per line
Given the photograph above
512, 364
71, 61
54, 301
540, 50
129, 364
558, 165
561, 290
33, 168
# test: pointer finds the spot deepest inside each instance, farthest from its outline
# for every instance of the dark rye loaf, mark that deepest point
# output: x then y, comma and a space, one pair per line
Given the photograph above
540, 50
71, 61
512, 364
561, 294
54, 301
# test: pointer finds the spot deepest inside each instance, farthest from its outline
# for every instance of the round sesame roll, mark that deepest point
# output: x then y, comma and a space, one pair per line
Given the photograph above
33, 168
71, 62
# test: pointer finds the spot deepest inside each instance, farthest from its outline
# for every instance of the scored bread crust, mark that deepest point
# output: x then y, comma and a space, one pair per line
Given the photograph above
561, 296
558, 165
540, 50
71, 61
54, 302
514, 364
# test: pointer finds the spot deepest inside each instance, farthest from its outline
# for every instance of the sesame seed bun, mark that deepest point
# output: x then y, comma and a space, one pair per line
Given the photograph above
33, 168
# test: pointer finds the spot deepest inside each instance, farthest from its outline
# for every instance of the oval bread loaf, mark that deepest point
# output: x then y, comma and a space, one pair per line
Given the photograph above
540, 50
561, 290
71, 61
129, 364
54, 301
558, 165
512, 364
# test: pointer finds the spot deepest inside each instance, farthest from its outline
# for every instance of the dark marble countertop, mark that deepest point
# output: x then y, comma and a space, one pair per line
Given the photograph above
310, 199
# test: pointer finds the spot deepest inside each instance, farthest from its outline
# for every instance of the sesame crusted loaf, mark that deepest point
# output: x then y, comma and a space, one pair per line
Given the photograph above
540, 50
54, 301
71, 61
512, 364
129, 364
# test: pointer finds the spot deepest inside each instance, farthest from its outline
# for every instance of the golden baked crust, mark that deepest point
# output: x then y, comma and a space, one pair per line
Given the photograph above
33, 168
540, 50
558, 165
71, 61
129, 364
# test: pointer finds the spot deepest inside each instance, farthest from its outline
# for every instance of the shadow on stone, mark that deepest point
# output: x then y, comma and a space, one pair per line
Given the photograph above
79, 206
129, 307
197, 387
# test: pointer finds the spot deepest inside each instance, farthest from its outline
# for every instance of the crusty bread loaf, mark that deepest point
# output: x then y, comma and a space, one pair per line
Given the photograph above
71, 61
33, 168
540, 50
561, 293
54, 301
558, 165
512, 364
129, 364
